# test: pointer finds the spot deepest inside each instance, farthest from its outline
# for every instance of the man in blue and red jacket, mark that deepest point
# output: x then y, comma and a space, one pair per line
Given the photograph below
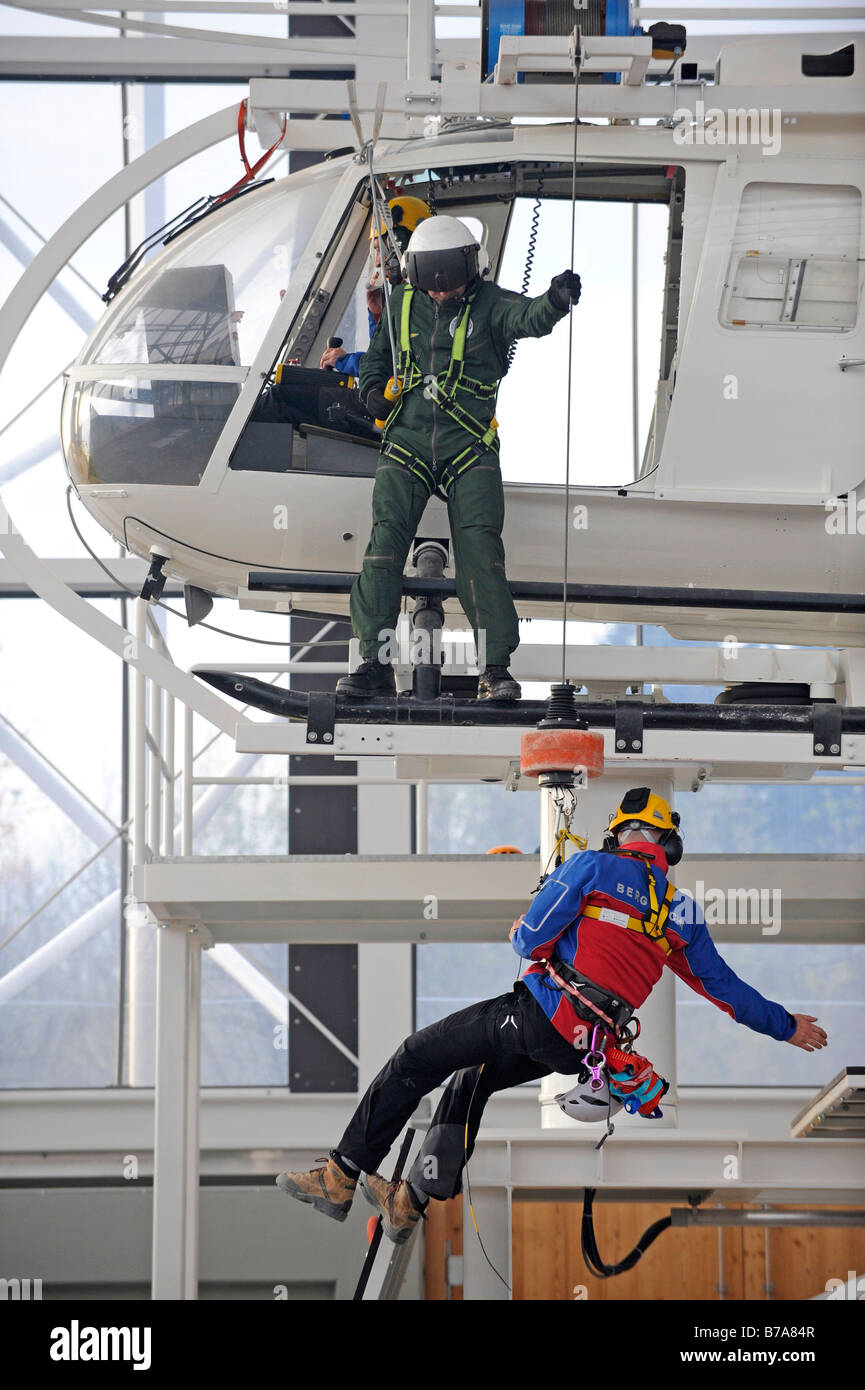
614, 918
598, 935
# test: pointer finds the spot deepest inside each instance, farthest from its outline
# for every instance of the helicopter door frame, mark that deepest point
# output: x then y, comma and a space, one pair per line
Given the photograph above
343, 196
344, 291
495, 227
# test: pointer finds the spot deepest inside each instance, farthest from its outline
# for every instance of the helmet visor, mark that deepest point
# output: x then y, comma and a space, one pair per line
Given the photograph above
442, 271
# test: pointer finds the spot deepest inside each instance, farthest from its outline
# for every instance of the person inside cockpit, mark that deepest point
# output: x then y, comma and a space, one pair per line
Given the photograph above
406, 213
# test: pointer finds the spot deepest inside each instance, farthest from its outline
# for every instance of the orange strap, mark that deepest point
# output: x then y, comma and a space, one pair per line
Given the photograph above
250, 169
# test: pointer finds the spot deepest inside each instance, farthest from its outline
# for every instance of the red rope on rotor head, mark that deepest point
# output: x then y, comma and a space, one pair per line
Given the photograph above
250, 169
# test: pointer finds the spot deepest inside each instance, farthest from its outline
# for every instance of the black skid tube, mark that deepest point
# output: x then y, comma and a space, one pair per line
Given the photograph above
599, 714
773, 600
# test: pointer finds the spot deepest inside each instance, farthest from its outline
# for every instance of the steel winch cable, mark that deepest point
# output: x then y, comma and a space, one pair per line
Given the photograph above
380, 231
578, 57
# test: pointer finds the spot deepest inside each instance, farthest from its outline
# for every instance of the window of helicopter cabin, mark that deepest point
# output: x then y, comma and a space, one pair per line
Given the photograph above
143, 430
619, 252
177, 340
210, 296
796, 258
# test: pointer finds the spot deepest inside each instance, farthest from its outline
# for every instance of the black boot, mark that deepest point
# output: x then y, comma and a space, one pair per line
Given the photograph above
370, 679
497, 683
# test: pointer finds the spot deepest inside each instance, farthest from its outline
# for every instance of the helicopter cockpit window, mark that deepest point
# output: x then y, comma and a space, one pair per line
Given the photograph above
187, 314
796, 259
212, 293
153, 389
141, 430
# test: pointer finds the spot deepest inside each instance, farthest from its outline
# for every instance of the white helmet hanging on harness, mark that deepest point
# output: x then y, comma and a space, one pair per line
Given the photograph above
443, 255
588, 1106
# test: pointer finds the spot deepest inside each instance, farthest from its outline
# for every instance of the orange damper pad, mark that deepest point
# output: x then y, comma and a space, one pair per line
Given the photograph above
561, 750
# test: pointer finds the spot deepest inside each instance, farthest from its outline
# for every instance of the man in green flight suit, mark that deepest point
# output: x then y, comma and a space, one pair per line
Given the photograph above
454, 331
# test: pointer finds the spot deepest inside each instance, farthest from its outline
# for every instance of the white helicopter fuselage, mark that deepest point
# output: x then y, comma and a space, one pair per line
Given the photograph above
755, 454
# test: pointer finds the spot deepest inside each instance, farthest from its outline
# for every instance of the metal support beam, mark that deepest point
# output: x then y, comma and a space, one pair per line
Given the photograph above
492, 1209
380, 898
83, 812
175, 1137
385, 976
713, 1216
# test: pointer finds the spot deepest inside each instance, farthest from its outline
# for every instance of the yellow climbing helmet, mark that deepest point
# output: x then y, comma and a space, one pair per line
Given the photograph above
406, 213
644, 807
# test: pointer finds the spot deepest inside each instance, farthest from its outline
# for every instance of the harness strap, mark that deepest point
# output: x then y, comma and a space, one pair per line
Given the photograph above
651, 927
421, 469
606, 1006
411, 376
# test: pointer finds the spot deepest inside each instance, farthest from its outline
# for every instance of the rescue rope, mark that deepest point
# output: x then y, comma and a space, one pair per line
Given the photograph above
380, 217
468, 1182
578, 57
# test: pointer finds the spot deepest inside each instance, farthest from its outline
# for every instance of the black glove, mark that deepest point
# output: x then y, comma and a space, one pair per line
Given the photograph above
377, 403
565, 289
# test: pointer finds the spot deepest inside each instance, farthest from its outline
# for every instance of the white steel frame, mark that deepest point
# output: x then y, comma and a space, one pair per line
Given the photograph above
413, 753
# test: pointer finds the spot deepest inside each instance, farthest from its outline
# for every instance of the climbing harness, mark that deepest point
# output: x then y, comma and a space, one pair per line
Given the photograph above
652, 923
443, 388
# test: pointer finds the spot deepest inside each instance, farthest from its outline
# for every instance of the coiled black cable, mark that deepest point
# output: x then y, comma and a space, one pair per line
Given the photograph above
530, 252
533, 234
589, 1245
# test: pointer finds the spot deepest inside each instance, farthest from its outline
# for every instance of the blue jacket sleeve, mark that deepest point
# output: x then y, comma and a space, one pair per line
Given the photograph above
697, 962
554, 908
349, 363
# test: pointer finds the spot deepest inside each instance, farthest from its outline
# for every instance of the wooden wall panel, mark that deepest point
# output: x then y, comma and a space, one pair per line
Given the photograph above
801, 1260
548, 1263
444, 1224
682, 1263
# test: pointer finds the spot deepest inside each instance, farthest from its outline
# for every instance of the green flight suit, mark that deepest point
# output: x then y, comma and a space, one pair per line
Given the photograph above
424, 449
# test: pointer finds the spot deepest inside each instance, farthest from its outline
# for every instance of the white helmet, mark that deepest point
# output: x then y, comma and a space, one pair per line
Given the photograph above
443, 255
588, 1106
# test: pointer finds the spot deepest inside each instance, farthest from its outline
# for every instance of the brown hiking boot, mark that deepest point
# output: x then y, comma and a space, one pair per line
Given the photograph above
393, 1202
328, 1189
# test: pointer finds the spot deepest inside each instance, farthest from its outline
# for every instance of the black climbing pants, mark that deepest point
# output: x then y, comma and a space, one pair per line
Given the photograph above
489, 1046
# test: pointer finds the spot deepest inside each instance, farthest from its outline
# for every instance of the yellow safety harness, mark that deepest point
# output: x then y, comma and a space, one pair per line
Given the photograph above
484, 437
655, 921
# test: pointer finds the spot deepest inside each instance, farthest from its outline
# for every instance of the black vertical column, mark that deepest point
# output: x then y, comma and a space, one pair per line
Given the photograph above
322, 820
